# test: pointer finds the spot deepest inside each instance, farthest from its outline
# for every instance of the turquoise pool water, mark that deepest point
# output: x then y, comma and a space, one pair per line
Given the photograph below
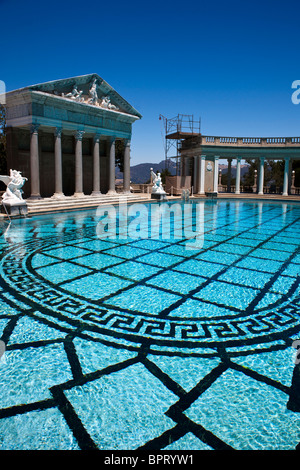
136, 341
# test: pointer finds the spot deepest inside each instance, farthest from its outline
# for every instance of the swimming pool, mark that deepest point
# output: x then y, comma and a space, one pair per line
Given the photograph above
121, 338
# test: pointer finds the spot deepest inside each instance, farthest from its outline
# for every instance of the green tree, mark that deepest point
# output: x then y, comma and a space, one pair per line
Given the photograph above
119, 152
163, 174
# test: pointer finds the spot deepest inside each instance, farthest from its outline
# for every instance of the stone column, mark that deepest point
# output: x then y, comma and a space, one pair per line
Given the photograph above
286, 177
293, 189
216, 172
187, 166
126, 173
96, 166
229, 175
58, 164
34, 163
195, 179
261, 176
78, 165
238, 176
201, 174
112, 167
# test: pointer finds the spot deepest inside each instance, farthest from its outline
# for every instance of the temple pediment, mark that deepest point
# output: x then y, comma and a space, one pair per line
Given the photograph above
88, 89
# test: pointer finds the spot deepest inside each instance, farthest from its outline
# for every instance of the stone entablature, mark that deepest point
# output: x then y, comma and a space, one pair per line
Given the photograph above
200, 155
86, 111
251, 147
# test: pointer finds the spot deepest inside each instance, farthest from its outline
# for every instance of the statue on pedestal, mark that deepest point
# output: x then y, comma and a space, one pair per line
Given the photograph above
158, 191
13, 194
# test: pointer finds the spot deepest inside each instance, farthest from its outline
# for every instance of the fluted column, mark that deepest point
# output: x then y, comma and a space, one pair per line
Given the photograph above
78, 164
112, 167
34, 163
186, 166
195, 182
216, 172
261, 176
201, 173
286, 177
126, 173
96, 166
229, 175
58, 164
238, 176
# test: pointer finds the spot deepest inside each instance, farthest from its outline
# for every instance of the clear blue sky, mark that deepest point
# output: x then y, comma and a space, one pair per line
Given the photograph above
230, 63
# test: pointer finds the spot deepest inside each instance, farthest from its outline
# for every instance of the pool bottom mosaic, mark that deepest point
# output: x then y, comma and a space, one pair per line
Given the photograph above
143, 344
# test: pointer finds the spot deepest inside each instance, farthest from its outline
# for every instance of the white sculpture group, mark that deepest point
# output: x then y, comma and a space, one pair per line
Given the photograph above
158, 191
14, 183
93, 98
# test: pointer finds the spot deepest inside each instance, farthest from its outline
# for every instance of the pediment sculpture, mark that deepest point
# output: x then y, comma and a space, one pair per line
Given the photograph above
92, 97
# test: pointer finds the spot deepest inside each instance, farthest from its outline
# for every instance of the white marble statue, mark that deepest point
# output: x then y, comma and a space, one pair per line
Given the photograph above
105, 103
157, 184
14, 182
74, 95
93, 93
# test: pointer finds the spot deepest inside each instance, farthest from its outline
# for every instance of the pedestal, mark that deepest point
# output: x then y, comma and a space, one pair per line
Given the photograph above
14, 209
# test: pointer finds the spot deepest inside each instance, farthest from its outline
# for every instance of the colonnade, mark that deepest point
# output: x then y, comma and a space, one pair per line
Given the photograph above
199, 170
78, 136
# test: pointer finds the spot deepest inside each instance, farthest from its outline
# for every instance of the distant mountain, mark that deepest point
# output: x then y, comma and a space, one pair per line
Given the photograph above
141, 173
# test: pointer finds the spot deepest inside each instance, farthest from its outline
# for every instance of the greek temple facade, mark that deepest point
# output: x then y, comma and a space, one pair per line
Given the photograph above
62, 136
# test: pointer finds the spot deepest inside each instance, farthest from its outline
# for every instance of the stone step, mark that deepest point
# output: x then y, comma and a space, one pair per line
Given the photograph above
73, 203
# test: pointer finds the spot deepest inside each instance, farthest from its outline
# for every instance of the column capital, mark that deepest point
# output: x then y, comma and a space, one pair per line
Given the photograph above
238, 159
216, 157
34, 128
58, 132
203, 157
97, 137
78, 134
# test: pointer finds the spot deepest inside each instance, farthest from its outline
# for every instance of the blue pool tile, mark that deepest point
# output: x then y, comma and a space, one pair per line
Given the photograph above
178, 249
233, 248
143, 299
149, 244
270, 254
67, 252
177, 282
240, 276
135, 404
96, 245
227, 294
133, 270
160, 259
283, 284
127, 251
98, 260
192, 308
223, 407
269, 266
215, 256
40, 260
62, 272
201, 268
96, 286
292, 270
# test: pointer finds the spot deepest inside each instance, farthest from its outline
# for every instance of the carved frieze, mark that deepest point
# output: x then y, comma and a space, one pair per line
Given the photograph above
90, 96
